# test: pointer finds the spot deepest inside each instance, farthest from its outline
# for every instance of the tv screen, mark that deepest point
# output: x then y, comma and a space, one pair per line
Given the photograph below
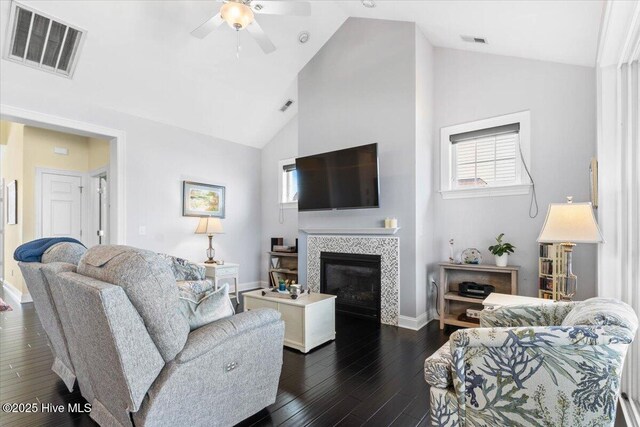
343, 179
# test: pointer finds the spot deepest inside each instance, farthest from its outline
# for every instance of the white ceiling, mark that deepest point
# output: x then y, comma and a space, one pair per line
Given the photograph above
139, 57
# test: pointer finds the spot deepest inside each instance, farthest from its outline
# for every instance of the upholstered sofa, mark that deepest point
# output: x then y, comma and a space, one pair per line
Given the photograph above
146, 366
548, 365
51, 309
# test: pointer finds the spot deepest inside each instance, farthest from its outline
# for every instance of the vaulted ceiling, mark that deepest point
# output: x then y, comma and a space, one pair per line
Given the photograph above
139, 57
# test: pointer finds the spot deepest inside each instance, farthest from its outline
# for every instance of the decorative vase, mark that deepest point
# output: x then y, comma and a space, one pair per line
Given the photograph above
502, 260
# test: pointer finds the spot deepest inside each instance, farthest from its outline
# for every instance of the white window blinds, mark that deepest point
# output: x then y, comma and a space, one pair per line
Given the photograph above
487, 157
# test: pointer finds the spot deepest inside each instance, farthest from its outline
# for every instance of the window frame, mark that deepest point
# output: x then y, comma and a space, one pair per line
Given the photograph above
281, 165
449, 190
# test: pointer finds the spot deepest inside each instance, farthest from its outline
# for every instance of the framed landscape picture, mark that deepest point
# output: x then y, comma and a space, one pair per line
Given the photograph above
202, 199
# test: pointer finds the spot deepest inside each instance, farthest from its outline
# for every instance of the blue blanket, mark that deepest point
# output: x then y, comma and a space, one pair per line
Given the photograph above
32, 251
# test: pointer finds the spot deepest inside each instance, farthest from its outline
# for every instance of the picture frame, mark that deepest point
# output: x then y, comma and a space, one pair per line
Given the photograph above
593, 182
12, 203
203, 200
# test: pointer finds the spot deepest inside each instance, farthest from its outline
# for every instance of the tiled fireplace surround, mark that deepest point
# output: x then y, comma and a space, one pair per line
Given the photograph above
387, 247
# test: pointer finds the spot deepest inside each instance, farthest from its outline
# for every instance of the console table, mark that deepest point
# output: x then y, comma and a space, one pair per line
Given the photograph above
309, 320
452, 305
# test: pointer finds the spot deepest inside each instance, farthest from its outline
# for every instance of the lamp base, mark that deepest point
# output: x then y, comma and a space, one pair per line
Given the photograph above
211, 261
568, 280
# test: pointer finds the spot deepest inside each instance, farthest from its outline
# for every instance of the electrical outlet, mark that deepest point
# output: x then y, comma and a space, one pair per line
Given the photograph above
142, 230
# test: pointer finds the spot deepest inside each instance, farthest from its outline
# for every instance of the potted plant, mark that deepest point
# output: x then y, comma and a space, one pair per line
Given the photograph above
501, 251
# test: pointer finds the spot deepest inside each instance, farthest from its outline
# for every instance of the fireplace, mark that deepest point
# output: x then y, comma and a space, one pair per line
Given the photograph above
355, 280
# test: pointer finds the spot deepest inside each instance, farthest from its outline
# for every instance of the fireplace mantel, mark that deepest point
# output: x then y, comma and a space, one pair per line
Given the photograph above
379, 231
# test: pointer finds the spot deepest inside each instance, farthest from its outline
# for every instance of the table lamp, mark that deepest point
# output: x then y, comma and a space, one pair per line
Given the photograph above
210, 226
570, 223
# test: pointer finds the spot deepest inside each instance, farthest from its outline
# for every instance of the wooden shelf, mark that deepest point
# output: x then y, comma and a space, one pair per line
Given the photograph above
282, 266
503, 279
284, 270
455, 297
452, 319
284, 254
479, 267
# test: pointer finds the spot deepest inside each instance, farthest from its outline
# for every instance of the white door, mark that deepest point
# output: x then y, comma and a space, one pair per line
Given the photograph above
61, 206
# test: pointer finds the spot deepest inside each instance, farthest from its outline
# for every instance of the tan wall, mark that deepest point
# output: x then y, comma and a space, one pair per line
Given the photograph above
98, 153
4, 132
38, 153
13, 168
29, 148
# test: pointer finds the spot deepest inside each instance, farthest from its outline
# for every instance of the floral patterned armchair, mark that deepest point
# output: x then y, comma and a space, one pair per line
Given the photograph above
547, 365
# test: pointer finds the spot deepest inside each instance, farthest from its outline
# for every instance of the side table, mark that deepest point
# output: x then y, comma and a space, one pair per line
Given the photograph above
224, 272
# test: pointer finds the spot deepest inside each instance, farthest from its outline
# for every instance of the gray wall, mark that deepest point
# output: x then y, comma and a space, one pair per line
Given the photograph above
158, 158
562, 99
426, 183
283, 146
359, 89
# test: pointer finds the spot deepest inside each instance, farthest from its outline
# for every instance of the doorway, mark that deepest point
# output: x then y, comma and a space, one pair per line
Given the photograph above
59, 204
60, 213
98, 214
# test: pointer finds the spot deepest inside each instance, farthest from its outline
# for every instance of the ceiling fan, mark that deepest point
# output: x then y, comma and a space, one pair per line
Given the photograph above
239, 14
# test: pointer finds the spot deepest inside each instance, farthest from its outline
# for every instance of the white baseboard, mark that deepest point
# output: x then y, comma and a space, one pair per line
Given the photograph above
631, 411
15, 294
413, 323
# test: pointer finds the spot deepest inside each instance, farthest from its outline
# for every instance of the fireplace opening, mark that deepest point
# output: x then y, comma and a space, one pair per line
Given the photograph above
355, 281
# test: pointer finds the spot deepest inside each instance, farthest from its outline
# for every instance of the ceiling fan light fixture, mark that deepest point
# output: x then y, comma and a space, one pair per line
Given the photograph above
237, 15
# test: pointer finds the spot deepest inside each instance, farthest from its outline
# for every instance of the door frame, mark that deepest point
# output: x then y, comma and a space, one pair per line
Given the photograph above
84, 206
117, 157
92, 205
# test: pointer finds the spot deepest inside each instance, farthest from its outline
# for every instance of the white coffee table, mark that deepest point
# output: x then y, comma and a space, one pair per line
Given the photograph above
495, 300
309, 320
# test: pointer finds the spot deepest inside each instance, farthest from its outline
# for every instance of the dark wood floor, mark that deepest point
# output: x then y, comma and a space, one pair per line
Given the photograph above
367, 376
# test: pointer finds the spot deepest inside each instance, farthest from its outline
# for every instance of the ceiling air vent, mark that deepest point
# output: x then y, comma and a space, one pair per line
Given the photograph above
472, 39
41, 41
286, 105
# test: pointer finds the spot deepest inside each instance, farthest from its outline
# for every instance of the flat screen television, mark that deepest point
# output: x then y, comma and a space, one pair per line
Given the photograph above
343, 179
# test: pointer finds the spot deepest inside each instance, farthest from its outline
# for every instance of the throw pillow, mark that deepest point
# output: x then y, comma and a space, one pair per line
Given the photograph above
204, 308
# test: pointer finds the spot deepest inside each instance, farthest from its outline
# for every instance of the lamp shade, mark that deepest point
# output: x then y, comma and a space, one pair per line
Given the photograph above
237, 14
209, 225
570, 223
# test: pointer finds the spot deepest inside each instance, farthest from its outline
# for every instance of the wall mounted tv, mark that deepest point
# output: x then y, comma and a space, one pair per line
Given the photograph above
343, 179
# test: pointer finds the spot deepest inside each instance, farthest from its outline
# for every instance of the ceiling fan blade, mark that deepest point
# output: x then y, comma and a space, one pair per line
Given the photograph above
208, 26
276, 7
261, 38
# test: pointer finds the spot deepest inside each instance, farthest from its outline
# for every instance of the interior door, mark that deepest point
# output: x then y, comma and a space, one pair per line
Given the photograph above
61, 205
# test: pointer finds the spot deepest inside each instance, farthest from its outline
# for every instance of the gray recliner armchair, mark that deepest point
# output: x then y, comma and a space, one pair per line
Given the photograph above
146, 366
68, 363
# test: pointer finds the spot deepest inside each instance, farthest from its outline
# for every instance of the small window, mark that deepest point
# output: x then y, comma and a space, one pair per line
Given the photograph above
484, 158
288, 182
484, 161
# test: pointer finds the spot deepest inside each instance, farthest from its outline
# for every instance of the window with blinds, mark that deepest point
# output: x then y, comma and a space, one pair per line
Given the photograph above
289, 191
42, 42
486, 157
